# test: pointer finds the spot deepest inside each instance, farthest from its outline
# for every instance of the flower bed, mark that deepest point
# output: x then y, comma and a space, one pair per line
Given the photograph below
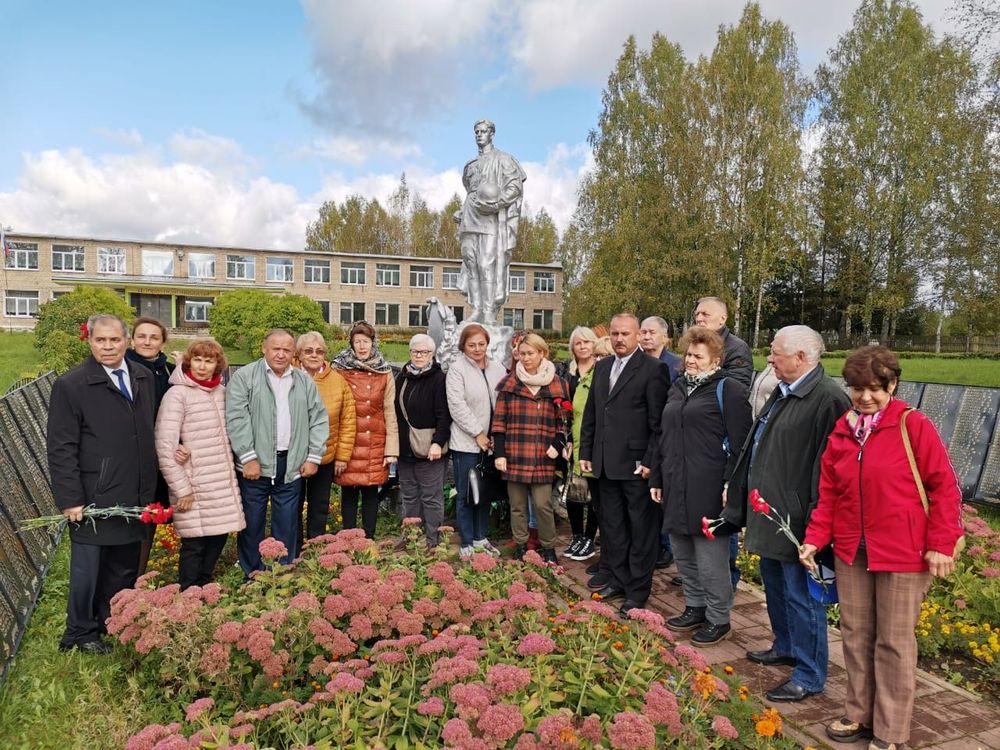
353, 647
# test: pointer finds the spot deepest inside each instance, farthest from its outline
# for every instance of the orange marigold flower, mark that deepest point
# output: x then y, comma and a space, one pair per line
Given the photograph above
618, 645
744, 692
567, 736
596, 597
766, 728
728, 669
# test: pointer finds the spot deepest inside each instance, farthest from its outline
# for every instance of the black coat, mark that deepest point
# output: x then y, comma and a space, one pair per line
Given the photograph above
101, 449
622, 426
737, 360
426, 404
161, 369
691, 465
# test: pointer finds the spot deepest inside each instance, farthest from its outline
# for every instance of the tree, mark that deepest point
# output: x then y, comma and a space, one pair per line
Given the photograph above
537, 238
242, 317
57, 333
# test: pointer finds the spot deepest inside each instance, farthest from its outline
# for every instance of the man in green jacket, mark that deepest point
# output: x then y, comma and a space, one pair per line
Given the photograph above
780, 459
278, 428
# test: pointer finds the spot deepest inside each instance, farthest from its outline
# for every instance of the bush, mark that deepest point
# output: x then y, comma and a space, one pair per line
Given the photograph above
57, 334
242, 317
353, 648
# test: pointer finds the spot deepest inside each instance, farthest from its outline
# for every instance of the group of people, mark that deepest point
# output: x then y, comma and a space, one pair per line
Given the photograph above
662, 443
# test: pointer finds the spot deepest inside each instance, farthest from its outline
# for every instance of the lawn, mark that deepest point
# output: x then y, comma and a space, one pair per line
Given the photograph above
18, 358
981, 372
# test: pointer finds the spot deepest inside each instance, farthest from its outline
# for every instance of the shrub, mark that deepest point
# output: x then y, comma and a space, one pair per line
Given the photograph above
57, 333
353, 647
240, 318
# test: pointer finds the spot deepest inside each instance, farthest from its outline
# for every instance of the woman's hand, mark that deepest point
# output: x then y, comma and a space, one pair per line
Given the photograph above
181, 455
388, 460
656, 494
568, 452
339, 467
434, 453
807, 554
552, 453
940, 565
501, 464
184, 504
482, 441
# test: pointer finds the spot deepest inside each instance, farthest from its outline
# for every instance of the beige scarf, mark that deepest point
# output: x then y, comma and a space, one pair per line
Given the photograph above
534, 383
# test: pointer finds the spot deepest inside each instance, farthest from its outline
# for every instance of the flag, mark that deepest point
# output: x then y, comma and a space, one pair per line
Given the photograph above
4, 244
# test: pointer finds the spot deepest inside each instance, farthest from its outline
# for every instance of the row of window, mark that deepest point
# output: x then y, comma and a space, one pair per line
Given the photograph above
25, 305
111, 260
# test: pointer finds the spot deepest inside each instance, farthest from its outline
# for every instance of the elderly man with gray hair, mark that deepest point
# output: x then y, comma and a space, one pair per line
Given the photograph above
781, 459
424, 428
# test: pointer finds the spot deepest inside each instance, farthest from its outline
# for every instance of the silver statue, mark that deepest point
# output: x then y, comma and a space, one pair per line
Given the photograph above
487, 224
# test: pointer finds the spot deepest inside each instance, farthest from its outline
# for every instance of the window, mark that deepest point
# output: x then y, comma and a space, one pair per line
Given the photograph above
418, 316
449, 277
317, 271
515, 281
57, 295
459, 313
513, 317
352, 273
67, 257
111, 260
240, 267
157, 263
545, 281
196, 311
21, 304
386, 274
201, 266
23, 256
325, 307
421, 277
279, 269
542, 320
386, 314
351, 311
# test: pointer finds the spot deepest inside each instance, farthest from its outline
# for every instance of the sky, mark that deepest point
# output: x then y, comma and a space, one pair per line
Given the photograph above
230, 122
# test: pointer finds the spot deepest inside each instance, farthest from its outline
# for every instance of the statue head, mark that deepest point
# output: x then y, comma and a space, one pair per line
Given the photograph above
484, 130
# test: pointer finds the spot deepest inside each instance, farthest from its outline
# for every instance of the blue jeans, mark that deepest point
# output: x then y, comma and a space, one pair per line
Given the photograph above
284, 498
798, 621
473, 521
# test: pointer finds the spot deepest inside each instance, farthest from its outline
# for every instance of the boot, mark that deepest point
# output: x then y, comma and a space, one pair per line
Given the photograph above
533, 542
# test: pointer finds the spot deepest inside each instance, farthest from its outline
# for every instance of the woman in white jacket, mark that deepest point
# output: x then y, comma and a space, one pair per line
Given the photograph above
471, 386
203, 490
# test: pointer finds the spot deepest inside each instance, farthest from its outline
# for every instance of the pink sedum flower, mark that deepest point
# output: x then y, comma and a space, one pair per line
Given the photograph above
272, 549
199, 707
723, 727
631, 731
536, 644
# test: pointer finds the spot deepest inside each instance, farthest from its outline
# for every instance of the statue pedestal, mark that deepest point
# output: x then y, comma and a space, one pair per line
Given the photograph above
498, 350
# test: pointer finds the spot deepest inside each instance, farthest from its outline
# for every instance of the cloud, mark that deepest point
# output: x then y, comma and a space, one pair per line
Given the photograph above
358, 151
216, 153
126, 138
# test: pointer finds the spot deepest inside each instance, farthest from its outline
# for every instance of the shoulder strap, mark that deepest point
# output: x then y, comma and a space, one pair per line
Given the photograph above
913, 461
722, 412
402, 401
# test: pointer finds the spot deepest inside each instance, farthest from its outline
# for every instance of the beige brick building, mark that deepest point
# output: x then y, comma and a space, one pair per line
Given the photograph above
177, 283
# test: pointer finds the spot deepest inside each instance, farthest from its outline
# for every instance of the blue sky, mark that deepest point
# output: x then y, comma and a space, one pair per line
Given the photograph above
231, 122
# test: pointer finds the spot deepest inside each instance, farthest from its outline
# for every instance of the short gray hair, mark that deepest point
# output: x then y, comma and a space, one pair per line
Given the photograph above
307, 337
93, 320
717, 300
423, 338
582, 333
803, 339
660, 322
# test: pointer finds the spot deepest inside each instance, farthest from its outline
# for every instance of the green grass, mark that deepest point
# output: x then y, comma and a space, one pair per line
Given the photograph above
980, 372
18, 358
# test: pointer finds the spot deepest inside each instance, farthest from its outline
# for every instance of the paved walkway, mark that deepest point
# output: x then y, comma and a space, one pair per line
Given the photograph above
945, 717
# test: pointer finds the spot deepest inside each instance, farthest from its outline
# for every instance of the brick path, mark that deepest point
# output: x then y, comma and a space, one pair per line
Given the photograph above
945, 717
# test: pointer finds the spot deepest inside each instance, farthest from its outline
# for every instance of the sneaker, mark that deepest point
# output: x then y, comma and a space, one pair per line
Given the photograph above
520, 551
593, 570
845, 730
584, 552
465, 553
710, 634
573, 546
483, 545
549, 555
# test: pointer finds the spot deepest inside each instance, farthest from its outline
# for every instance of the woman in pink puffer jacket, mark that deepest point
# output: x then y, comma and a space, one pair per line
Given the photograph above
203, 490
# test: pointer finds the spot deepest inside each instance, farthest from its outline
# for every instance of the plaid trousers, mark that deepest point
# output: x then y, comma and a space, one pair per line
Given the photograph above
878, 615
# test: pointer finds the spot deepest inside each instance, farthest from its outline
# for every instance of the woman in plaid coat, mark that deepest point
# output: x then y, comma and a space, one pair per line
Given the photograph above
529, 433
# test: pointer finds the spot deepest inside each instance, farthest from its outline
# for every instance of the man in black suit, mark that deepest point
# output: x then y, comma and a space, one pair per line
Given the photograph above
621, 425
101, 452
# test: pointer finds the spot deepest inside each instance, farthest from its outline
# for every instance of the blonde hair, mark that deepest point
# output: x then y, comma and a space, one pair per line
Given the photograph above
537, 343
603, 347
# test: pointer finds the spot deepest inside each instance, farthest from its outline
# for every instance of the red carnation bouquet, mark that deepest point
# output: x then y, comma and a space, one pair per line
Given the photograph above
153, 513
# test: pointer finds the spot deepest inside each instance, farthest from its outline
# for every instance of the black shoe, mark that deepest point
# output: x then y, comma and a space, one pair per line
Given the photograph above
628, 605
770, 658
573, 546
691, 618
665, 560
845, 730
678, 581
520, 551
611, 591
584, 552
710, 634
593, 570
788, 692
90, 647
598, 582
548, 555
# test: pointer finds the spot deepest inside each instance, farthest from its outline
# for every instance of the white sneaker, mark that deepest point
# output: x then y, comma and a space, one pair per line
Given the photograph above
465, 554
483, 545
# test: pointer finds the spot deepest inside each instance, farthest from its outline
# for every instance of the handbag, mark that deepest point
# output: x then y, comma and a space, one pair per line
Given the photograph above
421, 438
960, 544
486, 484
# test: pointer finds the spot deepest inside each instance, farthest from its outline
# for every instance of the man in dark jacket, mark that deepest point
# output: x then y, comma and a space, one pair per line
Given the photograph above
780, 459
101, 452
621, 424
737, 362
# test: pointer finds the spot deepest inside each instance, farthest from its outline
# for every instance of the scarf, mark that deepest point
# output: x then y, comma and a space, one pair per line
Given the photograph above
862, 424
534, 383
410, 368
348, 360
210, 383
698, 378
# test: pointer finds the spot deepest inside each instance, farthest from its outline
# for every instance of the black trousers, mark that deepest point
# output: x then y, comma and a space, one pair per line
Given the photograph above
198, 557
630, 533
96, 573
316, 498
368, 496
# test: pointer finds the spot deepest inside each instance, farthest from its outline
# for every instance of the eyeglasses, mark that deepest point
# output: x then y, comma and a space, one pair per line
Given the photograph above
314, 351
421, 352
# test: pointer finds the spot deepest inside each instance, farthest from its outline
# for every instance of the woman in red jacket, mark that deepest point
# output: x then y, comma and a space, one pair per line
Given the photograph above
887, 546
